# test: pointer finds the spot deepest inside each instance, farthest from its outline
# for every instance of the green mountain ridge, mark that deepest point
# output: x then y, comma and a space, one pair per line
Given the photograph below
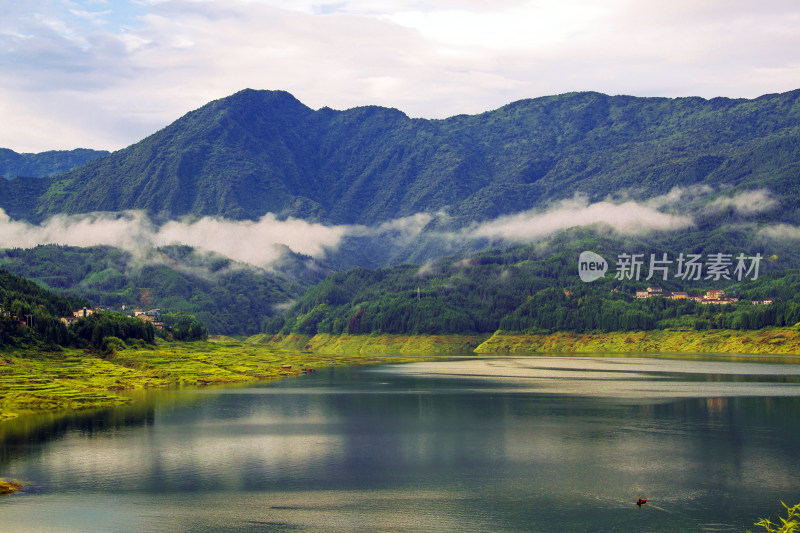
258, 152
228, 298
736, 162
44, 164
537, 289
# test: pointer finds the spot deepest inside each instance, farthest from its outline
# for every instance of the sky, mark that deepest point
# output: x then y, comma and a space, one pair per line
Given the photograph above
104, 74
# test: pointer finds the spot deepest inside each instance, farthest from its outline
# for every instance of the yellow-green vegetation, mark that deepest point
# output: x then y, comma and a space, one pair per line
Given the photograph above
764, 341
323, 343
8, 487
74, 379
787, 525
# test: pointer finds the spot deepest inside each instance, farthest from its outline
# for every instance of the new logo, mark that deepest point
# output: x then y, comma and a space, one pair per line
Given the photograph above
591, 266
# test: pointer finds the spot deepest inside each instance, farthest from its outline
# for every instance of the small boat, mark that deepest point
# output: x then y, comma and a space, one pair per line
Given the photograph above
286, 367
641, 501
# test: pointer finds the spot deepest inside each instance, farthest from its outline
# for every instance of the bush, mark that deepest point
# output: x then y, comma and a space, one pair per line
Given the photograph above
789, 524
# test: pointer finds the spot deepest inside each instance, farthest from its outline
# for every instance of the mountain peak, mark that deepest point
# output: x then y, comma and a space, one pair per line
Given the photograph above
254, 99
259, 151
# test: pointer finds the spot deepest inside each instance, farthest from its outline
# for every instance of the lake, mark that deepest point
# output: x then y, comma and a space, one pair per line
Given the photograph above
461, 444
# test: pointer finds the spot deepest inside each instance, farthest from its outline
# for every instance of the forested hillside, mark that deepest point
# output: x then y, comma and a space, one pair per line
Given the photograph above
261, 151
721, 173
30, 312
531, 289
226, 297
44, 164
30, 317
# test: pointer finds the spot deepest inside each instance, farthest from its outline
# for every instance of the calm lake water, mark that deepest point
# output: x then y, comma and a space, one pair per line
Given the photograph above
475, 444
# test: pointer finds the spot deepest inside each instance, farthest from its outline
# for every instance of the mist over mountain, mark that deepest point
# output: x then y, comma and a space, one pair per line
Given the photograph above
260, 152
240, 206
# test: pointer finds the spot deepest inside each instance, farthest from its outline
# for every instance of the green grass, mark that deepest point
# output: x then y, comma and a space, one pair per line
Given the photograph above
72, 379
777, 341
323, 343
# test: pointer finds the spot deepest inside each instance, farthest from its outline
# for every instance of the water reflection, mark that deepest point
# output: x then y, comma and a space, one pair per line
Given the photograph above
484, 445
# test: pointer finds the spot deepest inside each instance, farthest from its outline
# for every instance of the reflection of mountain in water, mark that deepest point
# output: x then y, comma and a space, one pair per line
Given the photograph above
28, 434
418, 449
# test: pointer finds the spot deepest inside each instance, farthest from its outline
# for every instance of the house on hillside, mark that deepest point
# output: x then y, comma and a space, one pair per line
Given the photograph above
83, 313
153, 316
717, 297
650, 292
679, 295
715, 294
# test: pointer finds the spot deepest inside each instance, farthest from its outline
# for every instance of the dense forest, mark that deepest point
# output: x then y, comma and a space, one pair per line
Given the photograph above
226, 297
522, 289
30, 316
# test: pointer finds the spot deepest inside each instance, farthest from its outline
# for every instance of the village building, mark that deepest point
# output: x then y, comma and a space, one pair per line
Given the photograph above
717, 297
679, 295
716, 294
68, 320
649, 292
153, 316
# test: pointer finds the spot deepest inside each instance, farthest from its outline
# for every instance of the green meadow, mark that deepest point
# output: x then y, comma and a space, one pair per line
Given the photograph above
36, 381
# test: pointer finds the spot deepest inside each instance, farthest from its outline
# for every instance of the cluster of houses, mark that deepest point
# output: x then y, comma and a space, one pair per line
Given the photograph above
716, 296
153, 316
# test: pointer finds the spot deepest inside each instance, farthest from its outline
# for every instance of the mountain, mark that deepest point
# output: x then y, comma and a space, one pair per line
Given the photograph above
530, 289
264, 151
229, 298
44, 164
404, 190
29, 313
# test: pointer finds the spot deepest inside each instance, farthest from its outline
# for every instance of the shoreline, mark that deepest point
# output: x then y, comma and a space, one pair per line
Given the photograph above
770, 341
386, 344
69, 380
773, 341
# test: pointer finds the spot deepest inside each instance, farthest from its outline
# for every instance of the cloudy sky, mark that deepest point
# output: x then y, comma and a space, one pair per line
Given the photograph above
106, 73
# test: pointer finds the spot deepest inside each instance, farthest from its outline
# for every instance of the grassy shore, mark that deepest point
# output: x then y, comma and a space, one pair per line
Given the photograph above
373, 344
775, 341
765, 341
73, 379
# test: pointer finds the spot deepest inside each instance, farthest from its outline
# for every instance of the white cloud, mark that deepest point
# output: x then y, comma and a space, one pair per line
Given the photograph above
781, 232
105, 75
627, 218
127, 230
425, 270
260, 243
746, 203
680, 196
